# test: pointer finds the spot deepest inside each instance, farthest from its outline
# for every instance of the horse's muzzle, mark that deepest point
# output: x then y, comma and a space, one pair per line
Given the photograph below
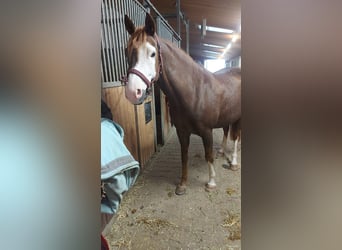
142, 98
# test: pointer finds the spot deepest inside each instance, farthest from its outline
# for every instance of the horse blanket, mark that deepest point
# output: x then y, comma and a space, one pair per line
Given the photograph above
119, 170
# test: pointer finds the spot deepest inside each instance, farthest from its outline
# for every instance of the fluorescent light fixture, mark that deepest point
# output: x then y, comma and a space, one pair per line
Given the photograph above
212, 52
235, 37
228, 46
216, 29
212, 45
226, 49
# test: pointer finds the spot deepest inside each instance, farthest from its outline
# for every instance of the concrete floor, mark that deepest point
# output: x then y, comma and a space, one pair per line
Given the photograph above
151, 216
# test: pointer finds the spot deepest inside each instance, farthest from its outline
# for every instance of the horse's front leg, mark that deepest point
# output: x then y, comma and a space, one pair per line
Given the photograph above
184, 140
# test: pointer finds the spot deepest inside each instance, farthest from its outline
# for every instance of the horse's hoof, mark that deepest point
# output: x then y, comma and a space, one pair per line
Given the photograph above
180, 190
210, 187
234, 167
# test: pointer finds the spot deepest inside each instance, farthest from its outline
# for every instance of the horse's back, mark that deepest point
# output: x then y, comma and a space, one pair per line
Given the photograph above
230, 108
222, 74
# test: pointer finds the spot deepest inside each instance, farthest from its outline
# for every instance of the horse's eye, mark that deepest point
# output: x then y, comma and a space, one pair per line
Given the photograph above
153, 54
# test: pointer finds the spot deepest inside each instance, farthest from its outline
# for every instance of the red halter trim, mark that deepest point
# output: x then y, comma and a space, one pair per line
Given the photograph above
148, 83
141, 75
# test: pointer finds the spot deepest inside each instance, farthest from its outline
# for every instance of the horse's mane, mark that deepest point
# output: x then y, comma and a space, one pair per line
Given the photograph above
226, 70
197, 66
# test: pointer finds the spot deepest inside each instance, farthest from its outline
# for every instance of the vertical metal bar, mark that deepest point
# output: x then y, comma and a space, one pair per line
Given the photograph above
102, 76
133, 9
130, 8
125, 9
121, 38
117, 31
158, 28
128, 4
107, 45
107, 41
103, 43
137, 14
114, 40
178, 17
110, 39
187, 35
142, 14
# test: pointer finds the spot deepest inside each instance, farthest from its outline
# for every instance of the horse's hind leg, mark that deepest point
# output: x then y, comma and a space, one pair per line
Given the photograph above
207, 138
235, 136
223, 149
184, 140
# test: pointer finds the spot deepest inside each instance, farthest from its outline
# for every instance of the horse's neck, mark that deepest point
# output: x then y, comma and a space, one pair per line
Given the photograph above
173, 57
177, 80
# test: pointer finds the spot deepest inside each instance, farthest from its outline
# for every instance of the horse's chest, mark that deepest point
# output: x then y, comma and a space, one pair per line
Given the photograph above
187, 121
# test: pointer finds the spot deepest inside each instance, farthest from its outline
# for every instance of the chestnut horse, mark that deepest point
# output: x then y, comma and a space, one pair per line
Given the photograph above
198, 100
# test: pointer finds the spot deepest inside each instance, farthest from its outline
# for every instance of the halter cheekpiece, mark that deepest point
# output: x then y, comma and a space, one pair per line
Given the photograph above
148, 83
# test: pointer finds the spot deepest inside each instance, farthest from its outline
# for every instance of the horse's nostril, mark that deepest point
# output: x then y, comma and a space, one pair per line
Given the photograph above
139, 93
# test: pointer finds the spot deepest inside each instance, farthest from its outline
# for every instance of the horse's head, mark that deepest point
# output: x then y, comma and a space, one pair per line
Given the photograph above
141, 52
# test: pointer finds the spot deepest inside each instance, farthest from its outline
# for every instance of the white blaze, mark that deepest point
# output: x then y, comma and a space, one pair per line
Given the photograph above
146, 64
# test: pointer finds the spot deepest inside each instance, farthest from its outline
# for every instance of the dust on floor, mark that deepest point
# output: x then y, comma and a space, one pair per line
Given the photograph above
151, 216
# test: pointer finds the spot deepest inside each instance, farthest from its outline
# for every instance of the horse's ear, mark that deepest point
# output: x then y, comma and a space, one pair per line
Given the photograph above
130, 27
150, 27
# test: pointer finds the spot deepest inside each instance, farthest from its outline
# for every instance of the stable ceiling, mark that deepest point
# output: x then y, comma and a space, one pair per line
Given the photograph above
218, 13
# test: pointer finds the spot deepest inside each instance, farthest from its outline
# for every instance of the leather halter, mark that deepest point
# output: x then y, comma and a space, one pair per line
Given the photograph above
148, 83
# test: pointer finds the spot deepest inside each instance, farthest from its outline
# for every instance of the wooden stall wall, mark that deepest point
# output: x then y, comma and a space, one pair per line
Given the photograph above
139, 134
123, 114
146, 128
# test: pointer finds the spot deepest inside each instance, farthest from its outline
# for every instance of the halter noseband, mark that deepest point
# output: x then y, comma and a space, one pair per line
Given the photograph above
148, 83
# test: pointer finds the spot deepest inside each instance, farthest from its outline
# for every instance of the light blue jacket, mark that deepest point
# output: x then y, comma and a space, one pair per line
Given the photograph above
119, 170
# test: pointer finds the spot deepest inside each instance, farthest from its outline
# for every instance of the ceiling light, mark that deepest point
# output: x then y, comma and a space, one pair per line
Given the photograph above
234, 38
210, 51
213, 45
216, 29
226, 49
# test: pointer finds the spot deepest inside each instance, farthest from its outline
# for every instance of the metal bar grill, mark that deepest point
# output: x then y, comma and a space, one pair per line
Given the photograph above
166, 32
